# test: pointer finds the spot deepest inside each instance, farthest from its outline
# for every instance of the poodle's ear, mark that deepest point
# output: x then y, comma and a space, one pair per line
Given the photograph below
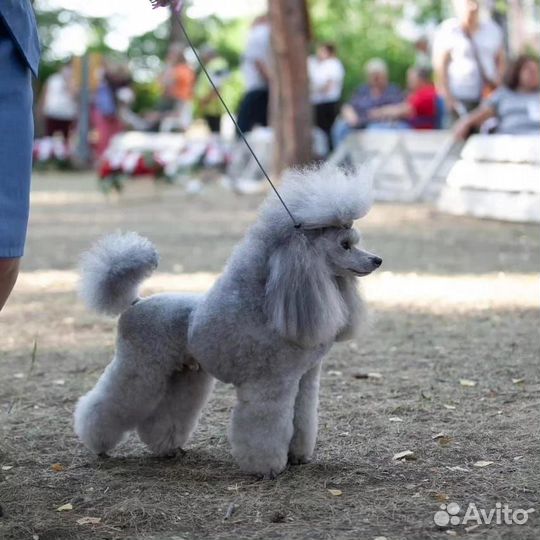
356, 312
303, 302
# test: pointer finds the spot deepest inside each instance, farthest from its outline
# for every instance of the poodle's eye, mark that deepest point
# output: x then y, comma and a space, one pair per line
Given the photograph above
346, 245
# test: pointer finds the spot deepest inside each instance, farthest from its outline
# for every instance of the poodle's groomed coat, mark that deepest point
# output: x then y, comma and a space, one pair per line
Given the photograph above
286, 295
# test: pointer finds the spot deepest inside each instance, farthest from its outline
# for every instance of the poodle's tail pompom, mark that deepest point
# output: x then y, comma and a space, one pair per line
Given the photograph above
112, 270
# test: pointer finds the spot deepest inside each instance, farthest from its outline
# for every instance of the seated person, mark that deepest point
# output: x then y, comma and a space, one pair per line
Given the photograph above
515, 106
377, 92
419, 110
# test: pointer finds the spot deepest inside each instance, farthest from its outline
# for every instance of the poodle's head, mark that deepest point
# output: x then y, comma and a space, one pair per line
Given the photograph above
340, 249
310, 294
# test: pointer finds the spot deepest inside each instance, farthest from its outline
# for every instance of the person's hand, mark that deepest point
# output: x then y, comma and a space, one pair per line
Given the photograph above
177, 4
462, 129
350, 116
456, 106
376, 114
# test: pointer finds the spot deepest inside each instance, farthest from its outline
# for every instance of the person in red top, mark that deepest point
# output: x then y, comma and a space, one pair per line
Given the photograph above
420, 108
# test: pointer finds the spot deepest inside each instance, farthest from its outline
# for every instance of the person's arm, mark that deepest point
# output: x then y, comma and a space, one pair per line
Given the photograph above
262, 68
392, 112
474, 119
441, 71
500, 61
350, 115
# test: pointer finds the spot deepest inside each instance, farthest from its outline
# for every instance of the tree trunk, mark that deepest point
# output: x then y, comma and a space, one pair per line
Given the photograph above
291, 110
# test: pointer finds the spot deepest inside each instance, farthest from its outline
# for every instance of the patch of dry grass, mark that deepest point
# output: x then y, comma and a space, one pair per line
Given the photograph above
442, 312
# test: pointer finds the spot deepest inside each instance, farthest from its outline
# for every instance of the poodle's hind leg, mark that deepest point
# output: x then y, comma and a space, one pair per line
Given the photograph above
262, 425
305, 418
128, 390
174, 420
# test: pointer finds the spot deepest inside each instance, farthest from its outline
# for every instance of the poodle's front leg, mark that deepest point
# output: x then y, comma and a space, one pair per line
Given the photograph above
305, 417
172, 423
262, 425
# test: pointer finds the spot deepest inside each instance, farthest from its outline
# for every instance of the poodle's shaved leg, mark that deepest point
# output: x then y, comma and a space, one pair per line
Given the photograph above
262, 425
129, 388
305, 417
171, 424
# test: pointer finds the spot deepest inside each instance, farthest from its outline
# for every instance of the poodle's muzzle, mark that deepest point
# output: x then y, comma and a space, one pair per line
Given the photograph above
362, 263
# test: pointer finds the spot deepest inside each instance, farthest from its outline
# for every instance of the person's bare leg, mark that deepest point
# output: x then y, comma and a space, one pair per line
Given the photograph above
9, 271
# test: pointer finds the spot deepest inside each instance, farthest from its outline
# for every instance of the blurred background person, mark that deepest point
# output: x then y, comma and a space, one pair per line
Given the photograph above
469, 57
106, 117
419, 110
326, 73
515, 106
178, 82
378, 91
422, 53
58, 103
255, 66
208, 103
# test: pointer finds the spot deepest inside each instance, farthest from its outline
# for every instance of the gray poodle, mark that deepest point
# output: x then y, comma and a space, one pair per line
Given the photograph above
286, 295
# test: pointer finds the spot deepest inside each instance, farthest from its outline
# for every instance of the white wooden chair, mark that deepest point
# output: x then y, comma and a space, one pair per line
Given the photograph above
406, 164
498, 177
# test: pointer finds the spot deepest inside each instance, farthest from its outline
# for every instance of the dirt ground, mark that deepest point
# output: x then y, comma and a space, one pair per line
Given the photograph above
452, 348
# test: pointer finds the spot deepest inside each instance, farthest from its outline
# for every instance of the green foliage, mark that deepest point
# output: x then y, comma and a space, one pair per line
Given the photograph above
362, 29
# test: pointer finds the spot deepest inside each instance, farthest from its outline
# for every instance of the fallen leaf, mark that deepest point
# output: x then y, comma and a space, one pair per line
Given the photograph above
482, 463
425, 395
517, 458
442, 439
467, 383
59, 382
395, 419
336, 492
457, 468
231, 509
518, 381
449, 407
65, 508
335, 373
450, 532
441, 497
374, 375
89, 521
57, 467
7, 467
472, 528
405, 455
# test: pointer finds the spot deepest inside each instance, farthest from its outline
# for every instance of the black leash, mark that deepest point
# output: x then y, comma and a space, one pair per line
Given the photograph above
177, 9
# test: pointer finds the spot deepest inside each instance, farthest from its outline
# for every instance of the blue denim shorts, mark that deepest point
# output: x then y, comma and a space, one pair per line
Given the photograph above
16, 140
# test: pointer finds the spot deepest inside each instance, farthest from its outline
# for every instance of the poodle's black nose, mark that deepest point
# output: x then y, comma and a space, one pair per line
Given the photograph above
377, 261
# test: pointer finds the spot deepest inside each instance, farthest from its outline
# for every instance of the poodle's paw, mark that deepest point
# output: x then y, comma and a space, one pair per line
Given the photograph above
272, 475
267, 466
190, 364
299, 459
172, 453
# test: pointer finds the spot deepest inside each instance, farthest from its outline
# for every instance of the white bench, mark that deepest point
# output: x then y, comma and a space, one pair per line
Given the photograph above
498, 177
408, 165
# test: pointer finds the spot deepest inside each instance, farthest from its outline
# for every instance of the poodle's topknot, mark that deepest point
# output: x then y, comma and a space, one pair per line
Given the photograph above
320, 197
